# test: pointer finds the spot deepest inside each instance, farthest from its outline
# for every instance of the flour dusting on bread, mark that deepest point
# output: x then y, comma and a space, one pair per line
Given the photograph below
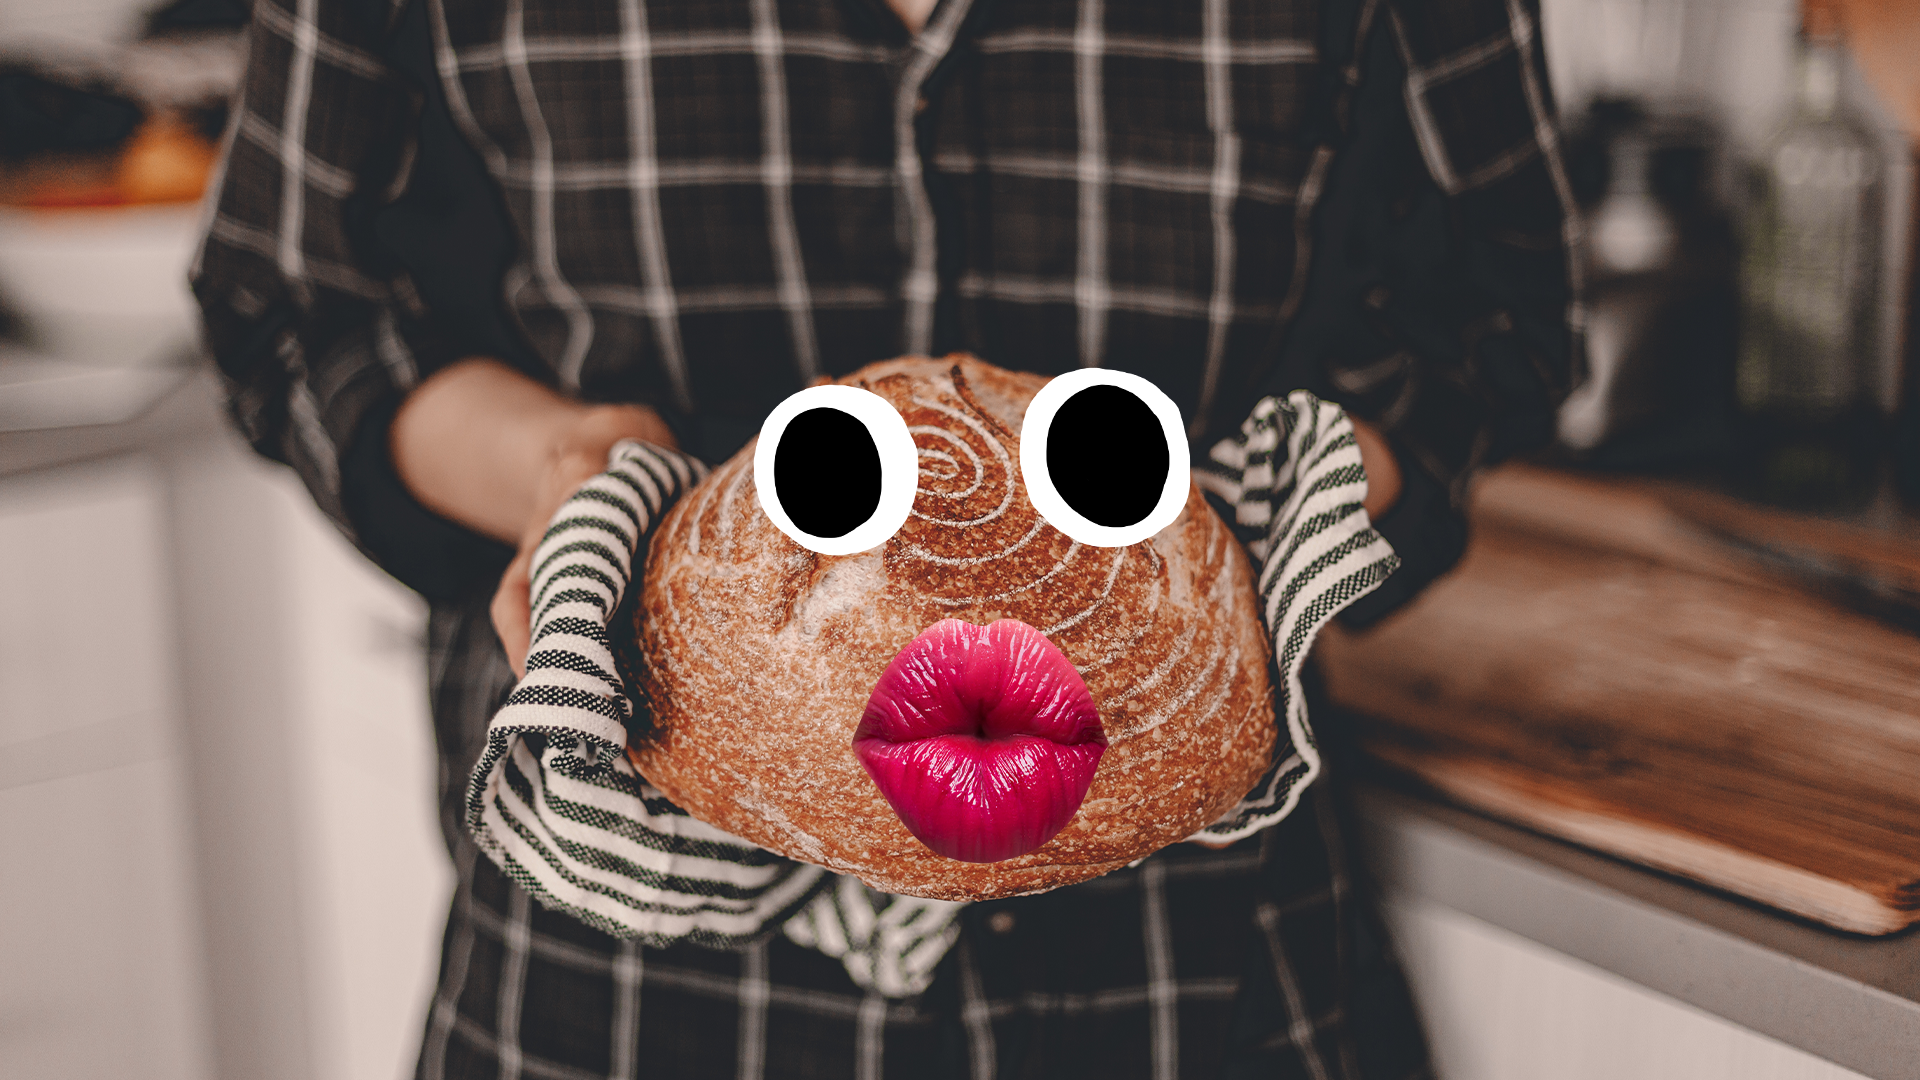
760, 655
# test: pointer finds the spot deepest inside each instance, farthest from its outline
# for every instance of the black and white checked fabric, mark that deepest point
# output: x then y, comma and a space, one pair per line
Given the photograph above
708, 203
1255, 960
556, 802
699, 203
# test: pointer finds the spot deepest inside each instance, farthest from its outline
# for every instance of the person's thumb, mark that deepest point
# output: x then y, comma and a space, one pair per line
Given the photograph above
512, 611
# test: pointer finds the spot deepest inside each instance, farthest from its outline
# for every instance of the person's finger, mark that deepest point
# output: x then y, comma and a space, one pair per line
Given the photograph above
512, 608
511, 611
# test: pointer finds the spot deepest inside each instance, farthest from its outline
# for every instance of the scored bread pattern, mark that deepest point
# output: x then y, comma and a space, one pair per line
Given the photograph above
556, 803
1166, 634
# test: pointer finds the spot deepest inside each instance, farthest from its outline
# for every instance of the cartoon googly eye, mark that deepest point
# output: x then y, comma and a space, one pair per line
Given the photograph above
836, 469
1104, 457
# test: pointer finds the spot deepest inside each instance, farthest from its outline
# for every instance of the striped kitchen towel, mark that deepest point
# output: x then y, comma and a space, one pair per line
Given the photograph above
554, 800
556, 803
1294, 480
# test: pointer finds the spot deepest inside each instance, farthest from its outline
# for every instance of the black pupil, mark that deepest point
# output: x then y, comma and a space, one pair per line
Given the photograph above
826, 471
1107, 456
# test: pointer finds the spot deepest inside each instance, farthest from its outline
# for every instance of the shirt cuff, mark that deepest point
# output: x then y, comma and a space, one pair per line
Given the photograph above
1428, 534
440, 560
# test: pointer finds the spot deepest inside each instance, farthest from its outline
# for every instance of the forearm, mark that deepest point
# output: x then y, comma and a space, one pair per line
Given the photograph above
490, 448
485, 446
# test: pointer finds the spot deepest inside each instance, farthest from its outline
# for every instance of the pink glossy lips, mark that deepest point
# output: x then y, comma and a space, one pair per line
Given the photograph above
982, 738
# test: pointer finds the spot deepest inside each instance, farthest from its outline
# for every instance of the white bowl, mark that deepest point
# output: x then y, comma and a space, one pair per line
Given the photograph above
103, 287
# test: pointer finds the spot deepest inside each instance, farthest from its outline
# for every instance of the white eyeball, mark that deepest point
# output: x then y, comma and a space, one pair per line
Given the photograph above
836, 469
1104, 457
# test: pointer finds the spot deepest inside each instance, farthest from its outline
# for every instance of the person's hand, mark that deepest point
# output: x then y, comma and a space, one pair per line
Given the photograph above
484, 445
580, 456
1383, 468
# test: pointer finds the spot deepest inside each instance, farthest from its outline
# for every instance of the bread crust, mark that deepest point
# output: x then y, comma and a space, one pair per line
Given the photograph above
760, 655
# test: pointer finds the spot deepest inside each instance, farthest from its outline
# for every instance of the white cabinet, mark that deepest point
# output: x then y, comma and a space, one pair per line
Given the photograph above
1500, 1007
381, 879
313, 754
217, 822
99, 919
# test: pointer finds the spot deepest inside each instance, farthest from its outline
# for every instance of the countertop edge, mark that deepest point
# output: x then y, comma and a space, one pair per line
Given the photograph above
1775, 975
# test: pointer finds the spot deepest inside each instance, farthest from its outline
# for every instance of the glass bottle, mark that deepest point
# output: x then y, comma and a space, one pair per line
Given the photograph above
1809, 290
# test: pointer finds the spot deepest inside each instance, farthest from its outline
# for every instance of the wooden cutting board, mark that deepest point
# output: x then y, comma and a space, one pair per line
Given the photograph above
1603, 667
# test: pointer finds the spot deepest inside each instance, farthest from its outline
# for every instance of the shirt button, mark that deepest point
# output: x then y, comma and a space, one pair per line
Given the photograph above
1000, 922
919, 106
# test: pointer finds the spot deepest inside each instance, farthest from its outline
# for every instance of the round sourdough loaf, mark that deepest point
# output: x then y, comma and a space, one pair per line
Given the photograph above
759, 655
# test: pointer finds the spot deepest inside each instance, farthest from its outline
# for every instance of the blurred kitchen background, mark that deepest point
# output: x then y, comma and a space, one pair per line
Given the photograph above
216, 779
217, 815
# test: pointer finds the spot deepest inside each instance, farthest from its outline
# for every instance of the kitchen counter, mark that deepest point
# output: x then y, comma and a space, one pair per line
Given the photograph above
117, 410
1694, 727
1852, 1000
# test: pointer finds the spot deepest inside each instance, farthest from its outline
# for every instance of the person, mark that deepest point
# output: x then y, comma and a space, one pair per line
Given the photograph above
459, 248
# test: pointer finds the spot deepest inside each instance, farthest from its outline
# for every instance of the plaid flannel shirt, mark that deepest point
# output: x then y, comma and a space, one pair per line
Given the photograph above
701, 204
704, 205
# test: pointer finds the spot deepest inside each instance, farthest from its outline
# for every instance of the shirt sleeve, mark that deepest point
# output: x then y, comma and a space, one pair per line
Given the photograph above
1442, 300
312, 321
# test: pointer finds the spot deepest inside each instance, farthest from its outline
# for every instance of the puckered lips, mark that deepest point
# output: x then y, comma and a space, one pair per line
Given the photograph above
983, 739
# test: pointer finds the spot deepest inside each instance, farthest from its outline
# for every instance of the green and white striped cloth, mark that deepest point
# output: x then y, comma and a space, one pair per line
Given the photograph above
555, 802
1295, 482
